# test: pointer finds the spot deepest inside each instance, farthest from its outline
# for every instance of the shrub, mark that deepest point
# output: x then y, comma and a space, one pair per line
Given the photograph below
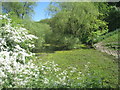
62, 41
14, 55
40, 30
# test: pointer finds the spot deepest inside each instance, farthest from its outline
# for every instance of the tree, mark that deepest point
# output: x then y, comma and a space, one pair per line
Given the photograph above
41, 30
21, 9
110, 12
114, 16
79, 20
103, 8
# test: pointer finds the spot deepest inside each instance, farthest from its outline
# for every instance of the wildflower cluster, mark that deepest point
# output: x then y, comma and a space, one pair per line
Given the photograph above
55, 77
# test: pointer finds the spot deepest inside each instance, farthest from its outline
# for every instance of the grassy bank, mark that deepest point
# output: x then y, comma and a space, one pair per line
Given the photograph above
103, 65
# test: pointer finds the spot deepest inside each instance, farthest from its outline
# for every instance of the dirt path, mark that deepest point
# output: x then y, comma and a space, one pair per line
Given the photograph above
100, 46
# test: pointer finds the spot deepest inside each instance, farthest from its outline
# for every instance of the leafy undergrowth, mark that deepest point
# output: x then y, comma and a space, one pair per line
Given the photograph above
101, 66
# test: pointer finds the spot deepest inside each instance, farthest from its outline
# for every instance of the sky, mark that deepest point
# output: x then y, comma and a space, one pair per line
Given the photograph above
40, 12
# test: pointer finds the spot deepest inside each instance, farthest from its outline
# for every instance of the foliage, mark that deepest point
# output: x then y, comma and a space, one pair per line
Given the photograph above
53, 8
110, 12
114, 18
60, 41
47, 21
20, 9
42, 31
82, 22
103, 8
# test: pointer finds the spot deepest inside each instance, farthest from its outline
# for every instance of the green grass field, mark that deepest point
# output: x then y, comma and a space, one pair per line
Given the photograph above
103, 65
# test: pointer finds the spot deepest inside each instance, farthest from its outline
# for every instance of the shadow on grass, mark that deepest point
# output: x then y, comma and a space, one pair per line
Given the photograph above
53, 49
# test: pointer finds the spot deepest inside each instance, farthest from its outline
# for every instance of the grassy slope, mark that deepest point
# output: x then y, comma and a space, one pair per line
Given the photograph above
113, 38
109, 37
101, 63
112, 41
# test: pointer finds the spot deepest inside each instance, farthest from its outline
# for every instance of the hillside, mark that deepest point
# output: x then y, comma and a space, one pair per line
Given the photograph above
109, 43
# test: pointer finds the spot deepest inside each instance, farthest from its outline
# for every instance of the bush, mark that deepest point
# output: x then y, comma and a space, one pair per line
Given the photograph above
40, 30
14, 55
62, 42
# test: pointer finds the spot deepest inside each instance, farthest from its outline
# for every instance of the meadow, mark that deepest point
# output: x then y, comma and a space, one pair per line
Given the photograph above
105, 67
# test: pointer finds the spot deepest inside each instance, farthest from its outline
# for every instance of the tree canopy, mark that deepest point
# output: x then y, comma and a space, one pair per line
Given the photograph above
21, 9
79, 20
